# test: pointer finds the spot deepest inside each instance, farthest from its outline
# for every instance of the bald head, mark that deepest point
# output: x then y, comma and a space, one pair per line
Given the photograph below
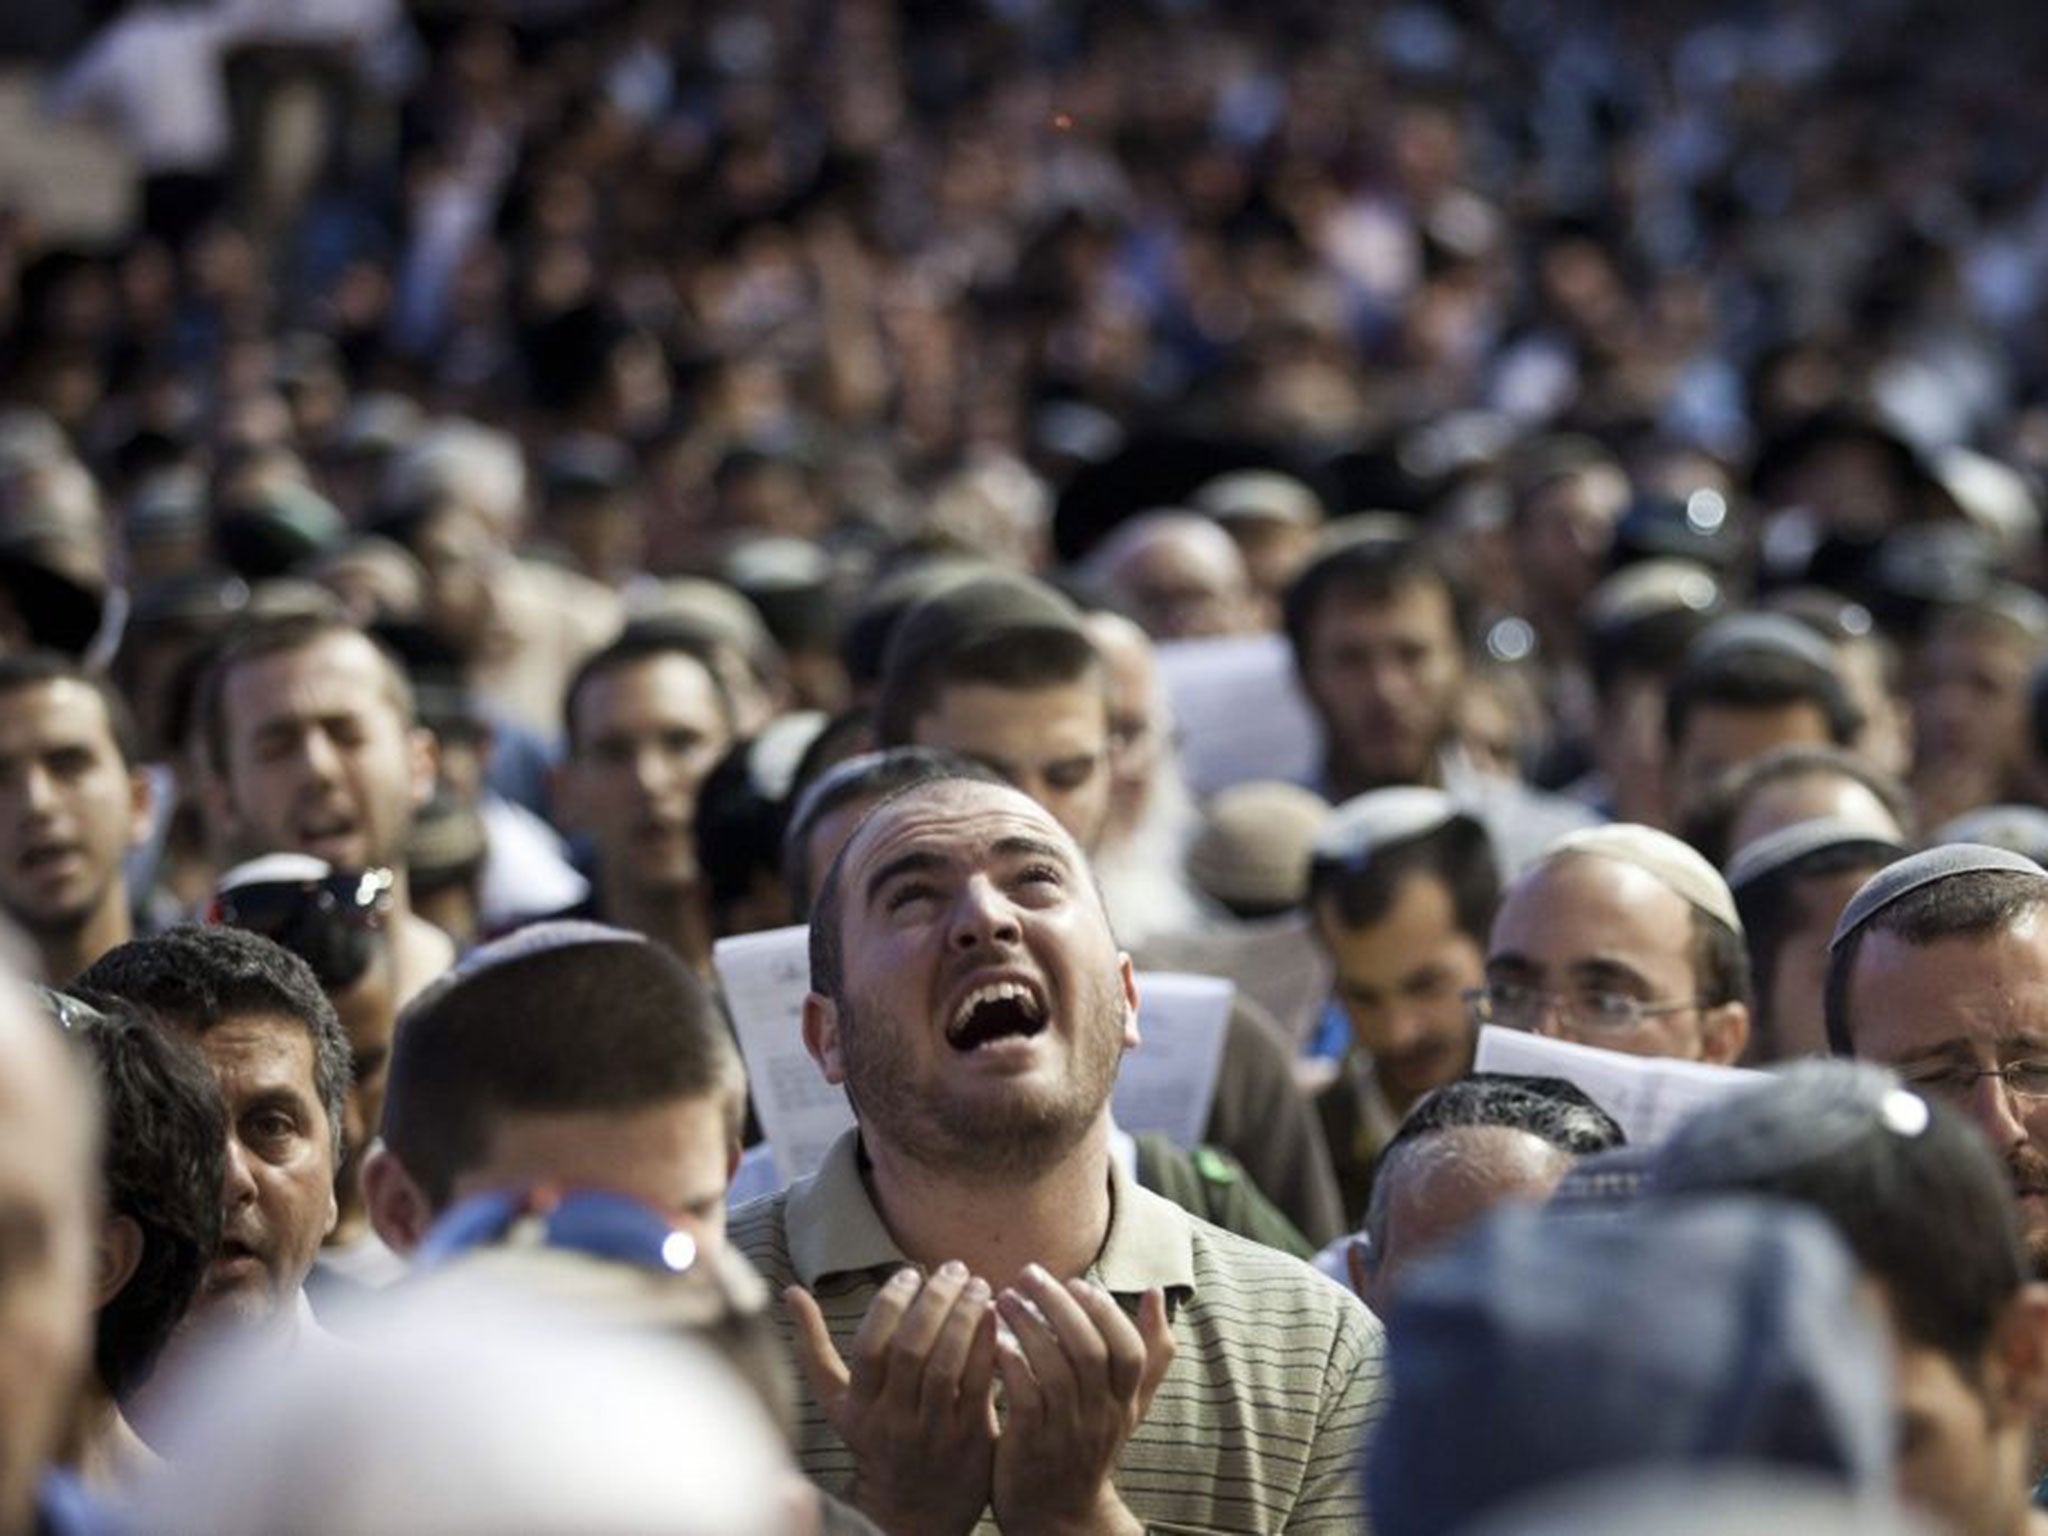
1437, 1184
1181, 574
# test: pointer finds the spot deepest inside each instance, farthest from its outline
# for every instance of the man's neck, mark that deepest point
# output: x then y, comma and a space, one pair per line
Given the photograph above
107, 927
1346, 780
1058, 1220
672, 915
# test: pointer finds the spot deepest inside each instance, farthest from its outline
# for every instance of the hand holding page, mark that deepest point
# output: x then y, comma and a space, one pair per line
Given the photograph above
1648, 1095
765, 976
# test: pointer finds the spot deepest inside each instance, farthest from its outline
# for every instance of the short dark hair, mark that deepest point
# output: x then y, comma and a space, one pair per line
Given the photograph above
38, 669
641, 643
1548, 1108
1745, 678
196, 978
554, 1019
1651, 644
1772, 906
1921, 1203
1976, 904
164, 1159
1720, 962
1369, 572
1022, 659
1458, 854
871, 776
282, 635
1710, 824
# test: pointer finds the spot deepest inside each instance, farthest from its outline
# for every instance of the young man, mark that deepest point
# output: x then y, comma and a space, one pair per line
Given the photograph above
314, 746
568, 1055
646, 720
1402, 887
1379, 642
72, 803
968, 992
1001, 669
1625, 938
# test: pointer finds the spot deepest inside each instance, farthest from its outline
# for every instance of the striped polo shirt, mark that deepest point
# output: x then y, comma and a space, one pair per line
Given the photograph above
1260, 1421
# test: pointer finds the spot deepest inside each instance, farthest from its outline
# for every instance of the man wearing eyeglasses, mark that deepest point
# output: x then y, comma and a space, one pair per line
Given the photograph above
1939, 970
1625, 938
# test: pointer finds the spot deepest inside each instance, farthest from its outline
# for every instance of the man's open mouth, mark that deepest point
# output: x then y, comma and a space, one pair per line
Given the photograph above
1002, 1010
41, 856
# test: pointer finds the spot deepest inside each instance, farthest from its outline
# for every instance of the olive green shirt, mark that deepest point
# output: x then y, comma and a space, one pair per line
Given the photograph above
1261, 1419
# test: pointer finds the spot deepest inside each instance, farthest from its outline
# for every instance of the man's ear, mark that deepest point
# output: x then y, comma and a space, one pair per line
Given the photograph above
141, 808
217, 800
1724, 1033
2018, 1380
1127, 976
565, 796
399, 1209
821, 1036
424, 749
116, 1258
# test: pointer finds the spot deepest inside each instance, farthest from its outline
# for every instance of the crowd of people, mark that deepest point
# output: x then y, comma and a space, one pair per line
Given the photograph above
1466, 522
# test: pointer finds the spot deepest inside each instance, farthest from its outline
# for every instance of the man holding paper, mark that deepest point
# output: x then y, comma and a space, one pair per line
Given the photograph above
968, 992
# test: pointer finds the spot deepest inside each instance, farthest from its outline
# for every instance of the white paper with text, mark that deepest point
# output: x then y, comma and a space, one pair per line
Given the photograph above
1648, 1095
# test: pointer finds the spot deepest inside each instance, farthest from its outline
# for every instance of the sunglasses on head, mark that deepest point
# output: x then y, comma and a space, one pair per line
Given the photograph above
333, 924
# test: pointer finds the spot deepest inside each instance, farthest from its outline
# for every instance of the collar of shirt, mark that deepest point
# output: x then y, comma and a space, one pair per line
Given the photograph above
834, 1229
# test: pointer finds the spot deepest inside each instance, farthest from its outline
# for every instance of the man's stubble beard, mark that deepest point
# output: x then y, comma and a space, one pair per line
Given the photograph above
1000, 1142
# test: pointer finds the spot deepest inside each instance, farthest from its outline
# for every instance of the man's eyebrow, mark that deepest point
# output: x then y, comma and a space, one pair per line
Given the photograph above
1598, 972
1513, 963
1023, 847
915, 861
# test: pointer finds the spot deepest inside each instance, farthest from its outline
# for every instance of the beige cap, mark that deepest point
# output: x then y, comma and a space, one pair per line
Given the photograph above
1254, 846
1676, 865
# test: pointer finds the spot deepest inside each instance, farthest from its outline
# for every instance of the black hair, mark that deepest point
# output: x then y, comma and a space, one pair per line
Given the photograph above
1710, 823
1458, 854
37, 669
1921, 1203
1368, 572
1652, 644
641, 643
1548, 1108
1975, 904
196, 978
872, 776
1772, 907
1740, 678
163, 1159
1720, 963
541, 1025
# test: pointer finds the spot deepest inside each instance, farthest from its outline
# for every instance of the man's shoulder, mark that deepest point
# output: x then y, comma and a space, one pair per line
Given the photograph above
1231, 1270
760, 1230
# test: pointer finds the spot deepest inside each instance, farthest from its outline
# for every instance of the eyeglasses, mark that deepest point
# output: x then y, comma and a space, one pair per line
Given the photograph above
1593, 1013
2026, 1079
332, 924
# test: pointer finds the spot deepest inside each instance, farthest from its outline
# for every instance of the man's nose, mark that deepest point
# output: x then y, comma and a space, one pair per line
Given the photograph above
238, 1183
982, 914
1991, 1106
39, 789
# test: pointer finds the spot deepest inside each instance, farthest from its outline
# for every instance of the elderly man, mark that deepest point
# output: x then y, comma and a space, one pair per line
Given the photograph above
968, 993
1939, 970
1622, 937
1181, 576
